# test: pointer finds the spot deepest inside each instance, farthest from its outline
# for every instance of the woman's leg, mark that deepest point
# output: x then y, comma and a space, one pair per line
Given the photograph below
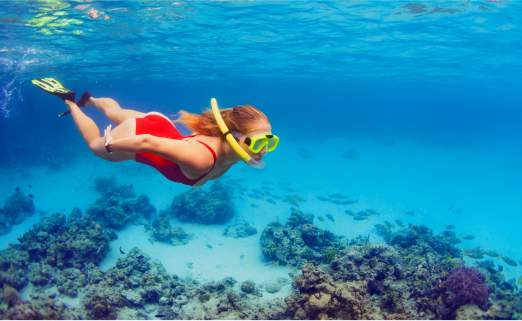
113, 110
91, 134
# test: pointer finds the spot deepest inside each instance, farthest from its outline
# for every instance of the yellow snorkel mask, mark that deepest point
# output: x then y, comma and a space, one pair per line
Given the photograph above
255, 143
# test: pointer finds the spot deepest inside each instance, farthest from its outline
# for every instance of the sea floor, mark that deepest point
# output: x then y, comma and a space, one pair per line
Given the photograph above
475, 193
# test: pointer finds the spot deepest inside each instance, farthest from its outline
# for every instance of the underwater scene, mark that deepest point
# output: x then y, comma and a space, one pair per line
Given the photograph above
395, 190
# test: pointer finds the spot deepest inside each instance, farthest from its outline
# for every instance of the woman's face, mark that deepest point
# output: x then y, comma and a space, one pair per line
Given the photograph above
261, 127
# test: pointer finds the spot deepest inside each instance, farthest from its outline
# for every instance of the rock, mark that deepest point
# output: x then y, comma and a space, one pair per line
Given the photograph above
298, 241
132, 297
239, 230
248, 287
470, 312
214, 206
272, 286
118, 205
161, 230
319, 301
17, 207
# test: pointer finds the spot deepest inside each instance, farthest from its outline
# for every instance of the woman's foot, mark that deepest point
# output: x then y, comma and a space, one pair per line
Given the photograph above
86, 99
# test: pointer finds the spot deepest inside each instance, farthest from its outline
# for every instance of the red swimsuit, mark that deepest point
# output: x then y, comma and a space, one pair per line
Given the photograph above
159, 125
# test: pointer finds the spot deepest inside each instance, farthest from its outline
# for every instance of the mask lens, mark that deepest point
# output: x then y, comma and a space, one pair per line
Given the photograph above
272, 143
258, 144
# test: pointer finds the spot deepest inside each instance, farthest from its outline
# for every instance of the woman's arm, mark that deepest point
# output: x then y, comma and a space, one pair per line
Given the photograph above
193, 158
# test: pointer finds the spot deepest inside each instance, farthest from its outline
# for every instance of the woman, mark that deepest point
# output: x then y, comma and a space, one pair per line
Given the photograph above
152, 138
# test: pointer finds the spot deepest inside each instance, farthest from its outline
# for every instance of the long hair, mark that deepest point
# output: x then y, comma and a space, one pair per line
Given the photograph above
241, 119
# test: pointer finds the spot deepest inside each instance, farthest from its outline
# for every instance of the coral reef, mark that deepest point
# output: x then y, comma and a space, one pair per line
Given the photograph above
134, 281
274, 286
71, 280
214, 206
118, 205
298, 241
414, 274
221, 300
421, 239
249, 287
318, 296
161, 230
62, 245
505, 300
366, 281
13, 267
239, 230
49, 249
41, 306
462, 286
17, 207
417, 275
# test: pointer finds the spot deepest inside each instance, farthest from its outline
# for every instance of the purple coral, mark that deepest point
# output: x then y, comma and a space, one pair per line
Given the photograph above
465, 285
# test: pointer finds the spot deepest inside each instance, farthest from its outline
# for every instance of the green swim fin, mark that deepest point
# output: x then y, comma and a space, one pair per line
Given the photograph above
54, 87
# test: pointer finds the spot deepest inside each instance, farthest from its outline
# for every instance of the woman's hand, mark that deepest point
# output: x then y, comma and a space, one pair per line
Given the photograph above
108, 138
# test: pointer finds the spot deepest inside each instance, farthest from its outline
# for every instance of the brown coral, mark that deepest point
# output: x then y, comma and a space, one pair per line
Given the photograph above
318, 296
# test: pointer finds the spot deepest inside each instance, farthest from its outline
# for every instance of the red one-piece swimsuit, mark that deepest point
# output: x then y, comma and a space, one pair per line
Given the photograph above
159, 125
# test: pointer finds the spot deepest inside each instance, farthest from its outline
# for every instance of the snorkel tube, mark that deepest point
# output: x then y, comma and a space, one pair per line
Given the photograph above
230, 138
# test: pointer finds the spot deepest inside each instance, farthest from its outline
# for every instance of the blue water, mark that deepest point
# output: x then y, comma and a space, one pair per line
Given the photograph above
424, 96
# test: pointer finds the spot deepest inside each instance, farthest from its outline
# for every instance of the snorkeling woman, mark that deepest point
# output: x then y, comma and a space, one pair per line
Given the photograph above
219, 138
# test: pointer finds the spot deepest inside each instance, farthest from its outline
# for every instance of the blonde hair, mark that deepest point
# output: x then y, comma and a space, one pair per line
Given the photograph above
241, 119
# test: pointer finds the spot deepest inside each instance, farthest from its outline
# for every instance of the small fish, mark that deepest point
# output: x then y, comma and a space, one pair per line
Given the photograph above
31, 195
371, 212
362, 213
17, 189
360, 218
209, 246
343, 202
509, 261
271, 201
330, 217
459, 211
253, 205
351, 213
475, 253
492, 253
409, 213
451, 207
242, 256
337, 195
159, 315
450, 227
320, 218
468, 237
30, 186
399, 223
322, 198
121, 251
